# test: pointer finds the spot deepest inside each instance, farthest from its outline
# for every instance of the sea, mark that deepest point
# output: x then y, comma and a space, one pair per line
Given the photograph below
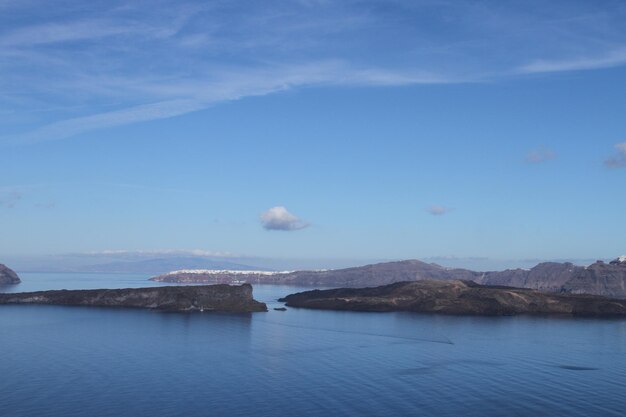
84, 361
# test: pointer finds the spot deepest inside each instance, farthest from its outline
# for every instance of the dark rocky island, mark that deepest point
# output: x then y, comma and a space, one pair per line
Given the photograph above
456, 297
8, 276
226, 298
599, 278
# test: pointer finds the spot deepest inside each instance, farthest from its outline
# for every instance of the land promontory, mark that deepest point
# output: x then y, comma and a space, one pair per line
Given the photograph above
225, 298
456, 297
8, 276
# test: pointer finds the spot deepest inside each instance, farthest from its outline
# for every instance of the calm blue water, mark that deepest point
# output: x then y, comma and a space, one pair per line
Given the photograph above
75, 361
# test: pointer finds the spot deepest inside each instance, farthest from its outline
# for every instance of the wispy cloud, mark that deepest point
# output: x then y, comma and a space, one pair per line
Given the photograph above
55, 33
9, 199
93, 67
538, 156
279, 218
437, 210
618, 160
200, 94
76, 126
613, 58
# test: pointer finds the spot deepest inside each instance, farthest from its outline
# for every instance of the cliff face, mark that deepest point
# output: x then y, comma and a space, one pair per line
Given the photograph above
606, 279
455, 297
225, 298
547, 276
8, 276
599, 278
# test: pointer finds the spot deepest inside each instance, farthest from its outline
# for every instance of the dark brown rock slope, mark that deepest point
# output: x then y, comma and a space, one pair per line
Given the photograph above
8, 276
189, 298
456, 297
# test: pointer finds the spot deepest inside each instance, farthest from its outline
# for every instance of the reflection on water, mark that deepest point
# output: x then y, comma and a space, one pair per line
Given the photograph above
77, 361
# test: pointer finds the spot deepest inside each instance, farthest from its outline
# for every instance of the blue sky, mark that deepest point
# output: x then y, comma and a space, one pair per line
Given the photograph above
314, 129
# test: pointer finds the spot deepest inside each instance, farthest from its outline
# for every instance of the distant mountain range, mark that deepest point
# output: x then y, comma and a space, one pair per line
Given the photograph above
600, 278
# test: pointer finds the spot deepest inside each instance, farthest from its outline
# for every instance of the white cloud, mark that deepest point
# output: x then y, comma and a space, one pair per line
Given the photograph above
279, 218
619, 160
437, 210
538, 156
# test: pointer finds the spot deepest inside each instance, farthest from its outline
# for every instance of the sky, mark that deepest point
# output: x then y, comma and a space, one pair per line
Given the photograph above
313, 129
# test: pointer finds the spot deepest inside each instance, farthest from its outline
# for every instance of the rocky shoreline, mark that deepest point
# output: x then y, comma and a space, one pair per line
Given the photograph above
456, 297
223, 298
